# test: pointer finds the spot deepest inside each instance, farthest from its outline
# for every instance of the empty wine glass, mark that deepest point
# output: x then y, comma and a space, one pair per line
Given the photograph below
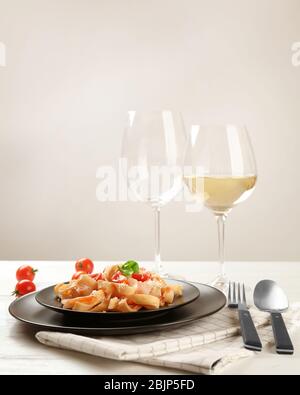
153, 145
220, 170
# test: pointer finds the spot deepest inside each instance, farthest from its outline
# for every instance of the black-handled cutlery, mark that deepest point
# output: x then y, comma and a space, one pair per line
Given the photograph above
237, 300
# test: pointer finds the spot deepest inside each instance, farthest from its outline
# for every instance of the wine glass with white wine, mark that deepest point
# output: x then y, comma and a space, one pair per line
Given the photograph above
153, 146
220, 170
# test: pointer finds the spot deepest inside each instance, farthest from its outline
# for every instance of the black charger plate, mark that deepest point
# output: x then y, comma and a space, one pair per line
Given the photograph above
46, 298
27, 310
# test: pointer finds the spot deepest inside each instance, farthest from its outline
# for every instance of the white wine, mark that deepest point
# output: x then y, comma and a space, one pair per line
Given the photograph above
221, 193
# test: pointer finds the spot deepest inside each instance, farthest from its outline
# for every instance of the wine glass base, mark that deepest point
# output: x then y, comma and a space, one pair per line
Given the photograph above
173, 276
159, 269
164, 274
221, 283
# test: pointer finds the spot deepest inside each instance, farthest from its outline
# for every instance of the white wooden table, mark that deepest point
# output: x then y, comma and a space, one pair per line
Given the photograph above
20, 353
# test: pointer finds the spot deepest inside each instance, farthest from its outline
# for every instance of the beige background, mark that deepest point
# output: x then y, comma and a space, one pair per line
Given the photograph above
74, 67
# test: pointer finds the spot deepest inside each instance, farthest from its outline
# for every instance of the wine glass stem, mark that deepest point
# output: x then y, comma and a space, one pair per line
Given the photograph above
221, 219
158, 266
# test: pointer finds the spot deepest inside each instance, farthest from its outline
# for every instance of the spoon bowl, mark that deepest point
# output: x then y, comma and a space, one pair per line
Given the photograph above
268, 296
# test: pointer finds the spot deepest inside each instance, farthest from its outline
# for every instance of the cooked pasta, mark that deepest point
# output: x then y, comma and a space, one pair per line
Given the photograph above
118, 290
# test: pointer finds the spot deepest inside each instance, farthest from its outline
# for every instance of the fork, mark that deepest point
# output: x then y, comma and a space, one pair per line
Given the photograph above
237, 300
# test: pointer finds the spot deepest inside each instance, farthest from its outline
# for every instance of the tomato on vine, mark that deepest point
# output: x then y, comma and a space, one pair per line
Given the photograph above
26, 272
24, 287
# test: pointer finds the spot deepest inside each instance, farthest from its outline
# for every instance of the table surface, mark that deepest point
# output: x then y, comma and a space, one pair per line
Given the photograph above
20, 353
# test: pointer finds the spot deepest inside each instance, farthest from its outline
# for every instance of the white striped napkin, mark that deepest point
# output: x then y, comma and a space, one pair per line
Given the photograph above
206, 346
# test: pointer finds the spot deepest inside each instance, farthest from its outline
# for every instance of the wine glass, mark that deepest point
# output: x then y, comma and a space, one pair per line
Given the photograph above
220, 170
153, 146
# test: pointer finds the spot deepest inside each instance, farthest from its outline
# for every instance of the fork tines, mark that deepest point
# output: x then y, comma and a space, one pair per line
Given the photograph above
236, 295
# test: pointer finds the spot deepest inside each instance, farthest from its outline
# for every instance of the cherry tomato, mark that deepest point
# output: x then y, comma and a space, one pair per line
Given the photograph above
24, 287
77, 275
119, 278
25, 272
84, 265
97, 276
141, 276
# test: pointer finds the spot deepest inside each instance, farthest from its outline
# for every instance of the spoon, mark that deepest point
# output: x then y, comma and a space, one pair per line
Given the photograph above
268, 296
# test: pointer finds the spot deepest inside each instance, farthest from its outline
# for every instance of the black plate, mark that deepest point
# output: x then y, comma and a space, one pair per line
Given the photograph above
27, 310
47, 298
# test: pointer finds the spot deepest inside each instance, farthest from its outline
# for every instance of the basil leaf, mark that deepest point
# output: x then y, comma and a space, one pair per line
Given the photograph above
129, 267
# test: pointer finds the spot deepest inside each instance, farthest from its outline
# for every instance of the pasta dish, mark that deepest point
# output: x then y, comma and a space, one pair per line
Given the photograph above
119, 288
